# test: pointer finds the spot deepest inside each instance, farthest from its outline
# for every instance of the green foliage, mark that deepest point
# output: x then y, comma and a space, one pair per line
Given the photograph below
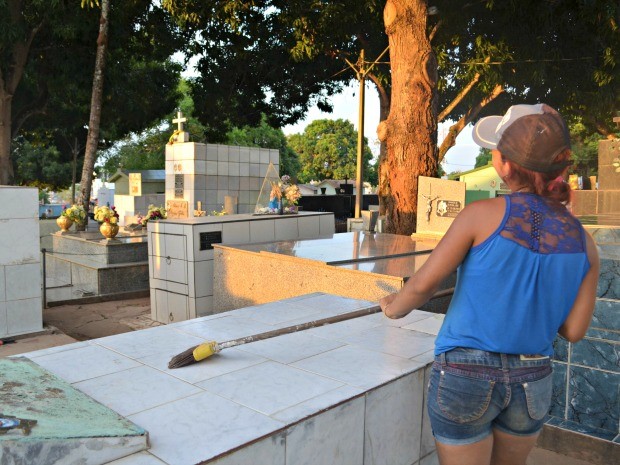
52, 100
328, 150
585, 150
40, 164
265, 136
483, 158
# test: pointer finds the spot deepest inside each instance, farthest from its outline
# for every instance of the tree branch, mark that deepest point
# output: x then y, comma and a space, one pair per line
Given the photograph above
461, 95
457, 127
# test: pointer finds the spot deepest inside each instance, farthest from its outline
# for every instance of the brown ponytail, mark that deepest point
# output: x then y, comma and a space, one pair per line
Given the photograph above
550, 185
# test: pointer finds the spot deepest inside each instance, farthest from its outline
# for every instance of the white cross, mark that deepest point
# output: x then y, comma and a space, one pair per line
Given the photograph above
180, 120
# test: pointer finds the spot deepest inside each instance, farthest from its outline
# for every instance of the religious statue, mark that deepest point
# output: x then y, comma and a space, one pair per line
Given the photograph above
429, 206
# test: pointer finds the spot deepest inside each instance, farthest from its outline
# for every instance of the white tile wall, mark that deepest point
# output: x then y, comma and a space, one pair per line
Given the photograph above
268, 451
263, 231
2, 285
236, 233
23, 281
286, 229
4, 327
339, 431
19, 203
392, 422
24, 316
20, 267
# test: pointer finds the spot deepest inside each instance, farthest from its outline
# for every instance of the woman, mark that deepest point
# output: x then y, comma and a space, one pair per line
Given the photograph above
527, 270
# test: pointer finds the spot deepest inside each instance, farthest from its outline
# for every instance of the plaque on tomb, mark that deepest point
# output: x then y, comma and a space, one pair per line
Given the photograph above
135, 184
439, 202
177, 209
448, 208
178, 186
207, 239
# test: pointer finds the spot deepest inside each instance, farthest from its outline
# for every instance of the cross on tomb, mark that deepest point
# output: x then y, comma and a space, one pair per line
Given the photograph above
180, 119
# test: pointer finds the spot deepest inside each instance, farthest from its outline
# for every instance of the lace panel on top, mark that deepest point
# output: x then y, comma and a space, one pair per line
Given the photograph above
542, 225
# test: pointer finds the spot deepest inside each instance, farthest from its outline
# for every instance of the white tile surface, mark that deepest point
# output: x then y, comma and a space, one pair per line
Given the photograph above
226, 361
23, 281
2, 285
203, 277
236, 233
161, 340
20, 241
141, 458
286, 229
309, 227
275, 314
343, 329
269, 387
24, 316
430, 325
135, 390
427, 441
85, 362
262, 231
176, 439
269, 451
393, 341
335, 437
19, 203
225, 328
290, 348
4, 329
392, 422
316, 404
357, 367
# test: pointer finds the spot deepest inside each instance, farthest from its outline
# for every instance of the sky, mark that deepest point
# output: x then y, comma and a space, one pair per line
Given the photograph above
461, 157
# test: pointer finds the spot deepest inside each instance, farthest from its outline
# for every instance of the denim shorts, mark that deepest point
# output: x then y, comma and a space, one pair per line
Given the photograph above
471, 391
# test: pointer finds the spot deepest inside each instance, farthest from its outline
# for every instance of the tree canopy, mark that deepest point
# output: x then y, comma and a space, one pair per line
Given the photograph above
327, 149
51, 85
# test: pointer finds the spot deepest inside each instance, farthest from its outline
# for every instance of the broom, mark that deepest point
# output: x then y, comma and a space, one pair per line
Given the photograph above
206, 349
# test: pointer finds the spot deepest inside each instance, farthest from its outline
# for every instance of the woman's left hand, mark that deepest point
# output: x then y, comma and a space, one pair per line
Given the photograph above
385, 302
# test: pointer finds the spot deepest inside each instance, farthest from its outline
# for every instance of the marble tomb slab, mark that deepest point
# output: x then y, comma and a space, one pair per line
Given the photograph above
321, 396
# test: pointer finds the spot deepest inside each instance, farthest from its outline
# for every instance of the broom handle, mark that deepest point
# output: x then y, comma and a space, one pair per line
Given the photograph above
316, 323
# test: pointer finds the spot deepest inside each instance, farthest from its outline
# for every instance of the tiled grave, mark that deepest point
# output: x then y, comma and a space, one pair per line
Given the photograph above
70, 427
86, 264
346, 393
354, 264
20, 262
181, 264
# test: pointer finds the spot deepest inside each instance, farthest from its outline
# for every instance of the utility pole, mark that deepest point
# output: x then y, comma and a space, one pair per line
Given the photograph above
361, 71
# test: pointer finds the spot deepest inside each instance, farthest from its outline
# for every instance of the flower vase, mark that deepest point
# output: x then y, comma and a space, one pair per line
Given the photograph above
108, 230
64, 223
280, 208
80, 225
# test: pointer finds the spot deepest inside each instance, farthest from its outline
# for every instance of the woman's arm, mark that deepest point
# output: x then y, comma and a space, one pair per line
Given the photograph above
442, 262
578, 320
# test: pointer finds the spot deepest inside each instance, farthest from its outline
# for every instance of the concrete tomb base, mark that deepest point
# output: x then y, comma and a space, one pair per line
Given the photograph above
86, 264
349, 393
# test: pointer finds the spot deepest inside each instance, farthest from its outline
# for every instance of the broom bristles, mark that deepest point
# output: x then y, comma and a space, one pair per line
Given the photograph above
183, 359
194, 354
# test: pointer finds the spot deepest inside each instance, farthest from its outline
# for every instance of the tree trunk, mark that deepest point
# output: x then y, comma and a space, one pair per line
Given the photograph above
92, 140
410, 130
6, 166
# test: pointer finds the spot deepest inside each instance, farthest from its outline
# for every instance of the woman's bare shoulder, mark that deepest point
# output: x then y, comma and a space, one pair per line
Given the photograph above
484, 217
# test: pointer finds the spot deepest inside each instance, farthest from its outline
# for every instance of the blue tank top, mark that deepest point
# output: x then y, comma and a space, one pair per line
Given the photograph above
515, 289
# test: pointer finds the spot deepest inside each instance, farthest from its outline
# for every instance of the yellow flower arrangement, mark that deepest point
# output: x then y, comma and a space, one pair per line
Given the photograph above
75, 213
106, 215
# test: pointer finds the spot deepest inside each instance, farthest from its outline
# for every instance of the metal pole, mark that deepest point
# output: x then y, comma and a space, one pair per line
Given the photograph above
44, 279
359, 173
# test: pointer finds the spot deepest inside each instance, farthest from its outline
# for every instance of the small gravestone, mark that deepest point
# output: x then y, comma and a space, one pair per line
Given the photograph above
439, 202
177, 209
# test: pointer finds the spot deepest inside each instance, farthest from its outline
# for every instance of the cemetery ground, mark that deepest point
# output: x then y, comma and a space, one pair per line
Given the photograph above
68, 324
